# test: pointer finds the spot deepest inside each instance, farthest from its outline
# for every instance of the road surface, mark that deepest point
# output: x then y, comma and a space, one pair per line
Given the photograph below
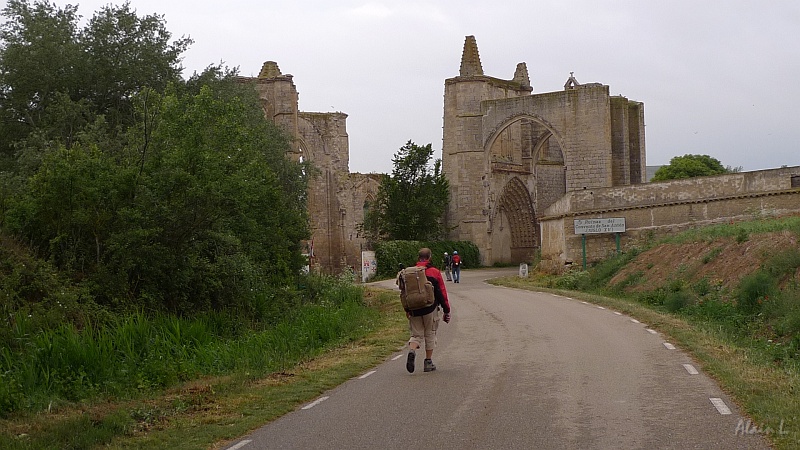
522, 370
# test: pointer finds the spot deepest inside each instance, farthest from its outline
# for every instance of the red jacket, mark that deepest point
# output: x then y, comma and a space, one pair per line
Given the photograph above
439, 290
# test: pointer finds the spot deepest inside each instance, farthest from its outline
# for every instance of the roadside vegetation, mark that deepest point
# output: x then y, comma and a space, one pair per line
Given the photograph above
729, 294
152, 292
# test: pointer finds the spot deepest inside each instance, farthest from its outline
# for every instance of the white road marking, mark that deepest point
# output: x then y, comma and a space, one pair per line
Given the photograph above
635, 321
669, 346
720, 405
651, 331
585, 303
240, 444
397, 357
617, 313
367, 374
600, 307
315, 403
690, 368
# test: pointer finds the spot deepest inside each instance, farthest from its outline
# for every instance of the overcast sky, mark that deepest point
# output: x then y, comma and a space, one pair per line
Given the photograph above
716, 77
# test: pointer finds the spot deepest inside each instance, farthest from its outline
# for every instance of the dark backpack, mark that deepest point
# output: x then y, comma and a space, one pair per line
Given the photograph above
416, 291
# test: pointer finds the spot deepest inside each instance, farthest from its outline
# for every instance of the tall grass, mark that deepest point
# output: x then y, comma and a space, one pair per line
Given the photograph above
140, 353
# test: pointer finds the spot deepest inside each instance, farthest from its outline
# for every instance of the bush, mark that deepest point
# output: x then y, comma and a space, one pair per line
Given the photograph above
391, 254
753, 290
677, 300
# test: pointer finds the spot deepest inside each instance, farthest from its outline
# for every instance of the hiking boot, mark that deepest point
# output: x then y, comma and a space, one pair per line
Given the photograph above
412, 355
429, 367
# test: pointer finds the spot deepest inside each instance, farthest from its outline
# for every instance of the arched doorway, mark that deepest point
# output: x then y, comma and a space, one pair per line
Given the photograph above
515, 211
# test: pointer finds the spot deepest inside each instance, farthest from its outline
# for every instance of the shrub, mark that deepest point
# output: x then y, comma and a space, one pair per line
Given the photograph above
753, 290
678, 300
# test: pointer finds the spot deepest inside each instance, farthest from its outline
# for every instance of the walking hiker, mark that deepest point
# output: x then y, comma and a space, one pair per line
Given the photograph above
424, 321
448, 261
456, 261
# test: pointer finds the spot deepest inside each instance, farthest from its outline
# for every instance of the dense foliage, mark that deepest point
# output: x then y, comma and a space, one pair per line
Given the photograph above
391, 254
412, 201
690, 166
137, 189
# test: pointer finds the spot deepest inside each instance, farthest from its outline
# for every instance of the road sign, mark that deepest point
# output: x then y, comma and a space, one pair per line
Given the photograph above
596, 226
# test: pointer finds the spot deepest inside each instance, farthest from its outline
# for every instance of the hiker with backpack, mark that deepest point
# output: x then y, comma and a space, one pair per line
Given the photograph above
456, 267
424, 297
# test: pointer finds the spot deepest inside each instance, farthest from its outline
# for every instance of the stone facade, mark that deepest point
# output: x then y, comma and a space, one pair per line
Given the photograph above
521, 167
508, 154
662, 208
336, 198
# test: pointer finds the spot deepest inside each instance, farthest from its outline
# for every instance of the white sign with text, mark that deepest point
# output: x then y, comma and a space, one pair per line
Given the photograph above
595, 226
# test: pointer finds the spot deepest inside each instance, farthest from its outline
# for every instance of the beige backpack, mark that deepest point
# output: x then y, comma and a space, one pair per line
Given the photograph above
416, 292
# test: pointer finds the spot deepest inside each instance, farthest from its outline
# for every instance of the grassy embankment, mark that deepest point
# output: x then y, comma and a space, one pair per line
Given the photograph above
166, 382
743, 329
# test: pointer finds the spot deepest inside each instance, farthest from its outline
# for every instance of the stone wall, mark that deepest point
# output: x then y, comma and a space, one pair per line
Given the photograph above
662, 208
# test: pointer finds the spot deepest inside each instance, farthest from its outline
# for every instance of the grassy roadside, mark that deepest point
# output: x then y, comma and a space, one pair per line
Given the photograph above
768, 393
209, 412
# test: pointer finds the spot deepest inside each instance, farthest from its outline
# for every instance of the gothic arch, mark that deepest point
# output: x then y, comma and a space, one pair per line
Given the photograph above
492, 136
516, 205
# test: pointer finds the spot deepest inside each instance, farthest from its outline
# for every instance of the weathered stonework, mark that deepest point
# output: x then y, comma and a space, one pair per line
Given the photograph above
521, 167
509, 154
663, 208
336, 197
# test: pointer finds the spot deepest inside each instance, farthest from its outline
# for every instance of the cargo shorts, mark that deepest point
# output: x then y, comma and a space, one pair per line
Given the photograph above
423, 329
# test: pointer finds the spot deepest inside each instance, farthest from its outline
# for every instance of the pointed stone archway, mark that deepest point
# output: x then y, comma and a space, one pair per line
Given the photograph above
516, 209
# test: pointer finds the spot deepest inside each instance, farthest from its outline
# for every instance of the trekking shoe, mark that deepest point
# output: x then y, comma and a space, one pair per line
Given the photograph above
429, 367
412, 355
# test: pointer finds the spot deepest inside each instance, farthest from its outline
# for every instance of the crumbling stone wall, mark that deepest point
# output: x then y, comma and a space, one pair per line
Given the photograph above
336, 197
662, 208
499, 136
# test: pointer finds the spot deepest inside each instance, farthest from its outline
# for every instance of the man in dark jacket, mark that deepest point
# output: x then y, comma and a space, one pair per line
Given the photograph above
424, 322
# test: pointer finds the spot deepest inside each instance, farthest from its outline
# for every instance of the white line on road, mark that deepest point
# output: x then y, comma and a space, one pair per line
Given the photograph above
367, 374
690, 368
315, 403
240, 444
617, 313
720, 405
635, 321
651, 331
585, 303
669, 346
397, 357
600, 307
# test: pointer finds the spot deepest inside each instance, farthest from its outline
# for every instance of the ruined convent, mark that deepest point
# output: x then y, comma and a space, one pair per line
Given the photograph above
523, 167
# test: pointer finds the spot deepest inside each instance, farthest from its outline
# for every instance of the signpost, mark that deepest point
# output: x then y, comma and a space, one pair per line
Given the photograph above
583, 227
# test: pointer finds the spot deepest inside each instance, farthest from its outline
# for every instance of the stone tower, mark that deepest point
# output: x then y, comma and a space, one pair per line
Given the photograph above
337, 199
508, 153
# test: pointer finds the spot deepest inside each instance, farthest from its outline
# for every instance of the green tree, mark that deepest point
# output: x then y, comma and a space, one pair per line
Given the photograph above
57, 79
411, 201
689, 166
210, 216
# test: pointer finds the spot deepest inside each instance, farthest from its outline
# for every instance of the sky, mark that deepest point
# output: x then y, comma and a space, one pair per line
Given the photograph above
717, 77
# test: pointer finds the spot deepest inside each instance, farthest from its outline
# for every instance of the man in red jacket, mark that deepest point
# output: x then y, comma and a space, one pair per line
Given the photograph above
424, 322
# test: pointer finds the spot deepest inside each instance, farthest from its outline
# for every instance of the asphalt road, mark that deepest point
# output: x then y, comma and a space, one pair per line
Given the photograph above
522, 370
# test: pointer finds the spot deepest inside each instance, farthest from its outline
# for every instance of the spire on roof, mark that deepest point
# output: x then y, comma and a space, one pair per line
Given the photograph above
470, 59
571, 82
270, 70
521, 75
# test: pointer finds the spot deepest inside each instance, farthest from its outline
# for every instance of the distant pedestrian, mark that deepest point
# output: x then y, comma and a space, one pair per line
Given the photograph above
448, 261
456, 262
424, 322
